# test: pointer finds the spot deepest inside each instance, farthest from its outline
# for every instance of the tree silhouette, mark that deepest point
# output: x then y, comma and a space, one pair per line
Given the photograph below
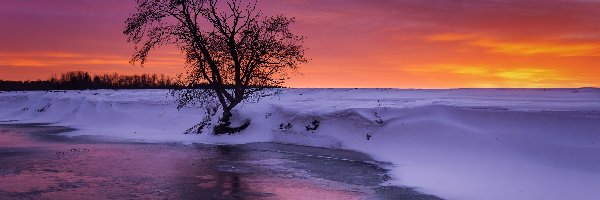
79, 80
229, 46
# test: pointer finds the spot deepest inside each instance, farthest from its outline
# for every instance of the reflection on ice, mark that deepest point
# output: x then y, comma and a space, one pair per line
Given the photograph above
36, 163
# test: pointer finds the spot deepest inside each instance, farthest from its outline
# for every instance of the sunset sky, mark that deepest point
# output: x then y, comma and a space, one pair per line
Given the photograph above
352, 43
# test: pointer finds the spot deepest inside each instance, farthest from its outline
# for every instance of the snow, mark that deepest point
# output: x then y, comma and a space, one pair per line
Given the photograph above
457, 144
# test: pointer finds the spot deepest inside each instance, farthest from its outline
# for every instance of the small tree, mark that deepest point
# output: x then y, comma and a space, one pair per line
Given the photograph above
229, 46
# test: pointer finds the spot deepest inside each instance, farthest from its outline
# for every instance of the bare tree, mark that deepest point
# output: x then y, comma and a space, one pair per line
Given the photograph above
228, 44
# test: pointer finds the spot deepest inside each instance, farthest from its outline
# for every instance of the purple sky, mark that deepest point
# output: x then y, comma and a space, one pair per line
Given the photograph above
353, 43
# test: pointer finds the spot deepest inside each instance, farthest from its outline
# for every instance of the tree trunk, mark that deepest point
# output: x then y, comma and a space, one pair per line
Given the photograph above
224, 126
226, 118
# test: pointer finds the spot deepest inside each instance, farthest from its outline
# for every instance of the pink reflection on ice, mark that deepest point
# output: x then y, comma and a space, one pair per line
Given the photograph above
70, 170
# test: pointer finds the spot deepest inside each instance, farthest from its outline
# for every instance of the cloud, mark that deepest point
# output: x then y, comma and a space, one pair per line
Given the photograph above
501, 77
534, 48
357, 43
562, 47
448, 37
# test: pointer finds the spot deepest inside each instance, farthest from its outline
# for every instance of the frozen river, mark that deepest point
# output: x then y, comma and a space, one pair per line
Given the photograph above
36, 162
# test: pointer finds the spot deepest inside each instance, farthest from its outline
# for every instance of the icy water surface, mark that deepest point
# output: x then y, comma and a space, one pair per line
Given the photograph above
36, 162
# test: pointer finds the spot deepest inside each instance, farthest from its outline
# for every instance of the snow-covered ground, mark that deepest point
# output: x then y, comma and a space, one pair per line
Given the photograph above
472, 144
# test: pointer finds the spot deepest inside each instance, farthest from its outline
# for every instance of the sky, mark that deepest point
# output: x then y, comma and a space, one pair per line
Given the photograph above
351, 43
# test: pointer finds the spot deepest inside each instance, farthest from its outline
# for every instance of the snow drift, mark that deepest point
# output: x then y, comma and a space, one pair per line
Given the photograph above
456, 144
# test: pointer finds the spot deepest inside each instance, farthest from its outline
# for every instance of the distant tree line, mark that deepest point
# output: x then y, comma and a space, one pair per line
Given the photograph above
79, 80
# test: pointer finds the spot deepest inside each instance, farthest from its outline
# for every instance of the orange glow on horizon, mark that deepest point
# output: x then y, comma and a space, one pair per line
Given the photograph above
391, 44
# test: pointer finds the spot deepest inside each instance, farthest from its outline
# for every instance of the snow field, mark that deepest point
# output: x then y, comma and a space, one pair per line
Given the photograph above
456, 144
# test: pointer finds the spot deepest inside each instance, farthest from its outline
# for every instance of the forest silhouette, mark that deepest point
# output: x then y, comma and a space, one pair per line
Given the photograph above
79, 80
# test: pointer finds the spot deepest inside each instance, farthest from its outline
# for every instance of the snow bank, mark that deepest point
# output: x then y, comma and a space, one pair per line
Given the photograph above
457, 144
